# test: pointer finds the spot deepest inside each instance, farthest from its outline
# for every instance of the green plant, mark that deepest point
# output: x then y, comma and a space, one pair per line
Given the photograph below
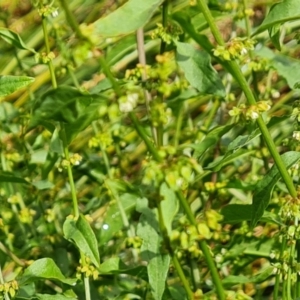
148, 151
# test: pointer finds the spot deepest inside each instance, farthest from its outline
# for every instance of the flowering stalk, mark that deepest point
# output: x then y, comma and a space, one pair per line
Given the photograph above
68, 164
237, 74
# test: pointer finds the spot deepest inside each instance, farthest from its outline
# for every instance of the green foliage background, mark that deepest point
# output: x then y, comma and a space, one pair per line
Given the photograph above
149, 149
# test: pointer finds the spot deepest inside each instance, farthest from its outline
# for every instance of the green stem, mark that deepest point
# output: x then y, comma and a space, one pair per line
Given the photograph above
47, 45
277, 278
69, 170
298, 276
165, 8
87, 288
140, 130
289, 279
204, 248
168, 245
110, 76
66, 154
182, 277
71, 19
143, 62
238, 75
212, 113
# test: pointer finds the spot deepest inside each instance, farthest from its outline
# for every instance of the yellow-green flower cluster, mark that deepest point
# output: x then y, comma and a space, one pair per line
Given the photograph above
190, 235
48, 10
167, 34
10, 287
259, 64
75, 159
87, 270
26, 215
44, 57
234, 49
251, 112
101, 140
134, 242
160, 113
290, 208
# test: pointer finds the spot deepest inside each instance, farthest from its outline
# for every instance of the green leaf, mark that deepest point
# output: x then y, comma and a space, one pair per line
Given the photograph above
287, 67
9, 177
211, 139
44, 268
115, 265
14, 39
243, 140
265, 186
198, 70
131, 16
263, 275
43, 184
169, 205
158, 263
113, 221
231, 280
237, 213
10, 84
81, 234
53, 297
65, 104
274, 33
287, 10
228, 158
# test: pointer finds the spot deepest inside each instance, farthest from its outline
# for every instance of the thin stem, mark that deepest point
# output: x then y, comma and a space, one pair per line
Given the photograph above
144, 136
87, 288
133, 117
165, 8
47, 45
212, 113
142, 61
238, 75
168, 245
204, 248
298, 276
66, 151
69, 170
71, 19
182, 277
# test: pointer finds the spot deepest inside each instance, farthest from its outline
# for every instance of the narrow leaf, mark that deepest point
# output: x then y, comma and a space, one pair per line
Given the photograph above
53, 297
265, 186
274, 34
198, 70
158, 263
129, 17
231, 280
14, 39
287, 10
45, 268
210, 140
9, 84
228, 158
9, 177
243, 140
81, 234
